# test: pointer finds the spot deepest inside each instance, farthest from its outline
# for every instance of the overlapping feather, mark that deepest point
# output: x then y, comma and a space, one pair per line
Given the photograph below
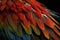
20, 18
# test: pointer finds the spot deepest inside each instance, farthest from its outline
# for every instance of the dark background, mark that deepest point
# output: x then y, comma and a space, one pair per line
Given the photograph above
52, 4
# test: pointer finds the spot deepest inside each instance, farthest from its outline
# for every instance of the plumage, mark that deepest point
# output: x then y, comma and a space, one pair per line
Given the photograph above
28, 20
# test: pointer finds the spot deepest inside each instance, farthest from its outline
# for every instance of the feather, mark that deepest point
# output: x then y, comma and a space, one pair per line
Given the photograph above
28, 20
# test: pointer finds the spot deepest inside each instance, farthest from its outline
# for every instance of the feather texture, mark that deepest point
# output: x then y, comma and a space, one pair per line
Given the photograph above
28, 20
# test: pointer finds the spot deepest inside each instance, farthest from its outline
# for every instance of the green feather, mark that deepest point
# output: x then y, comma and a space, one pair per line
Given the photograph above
36, 30
27, 30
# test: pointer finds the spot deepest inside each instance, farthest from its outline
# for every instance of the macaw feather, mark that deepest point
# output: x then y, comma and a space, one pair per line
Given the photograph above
28, 20
36, 30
